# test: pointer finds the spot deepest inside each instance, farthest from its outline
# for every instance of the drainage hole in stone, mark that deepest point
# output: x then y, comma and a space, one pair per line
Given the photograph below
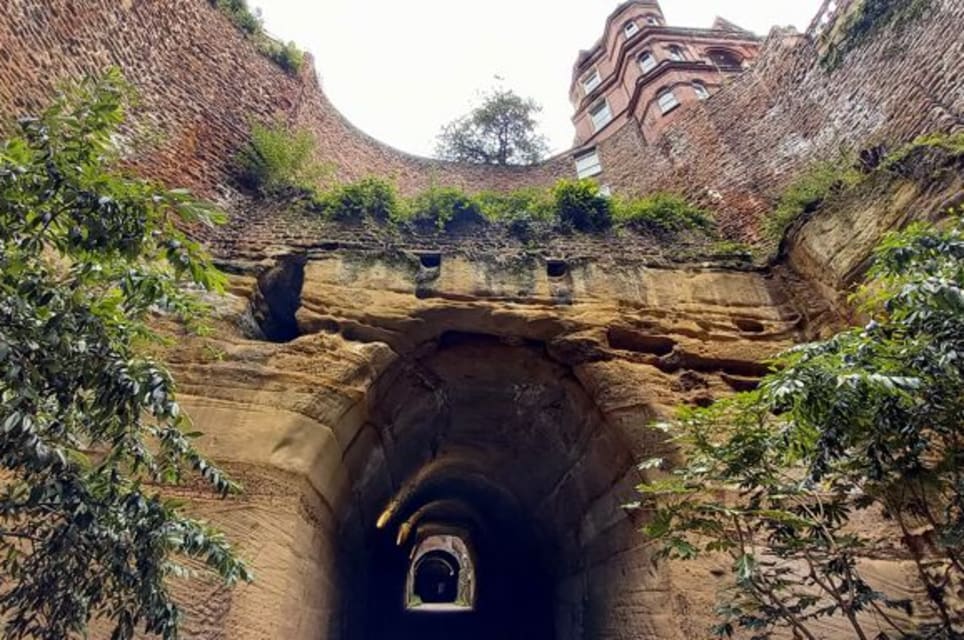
749, 326
430, 260
556, 268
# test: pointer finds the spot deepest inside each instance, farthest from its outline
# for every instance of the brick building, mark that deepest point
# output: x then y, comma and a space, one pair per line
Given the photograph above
642, 70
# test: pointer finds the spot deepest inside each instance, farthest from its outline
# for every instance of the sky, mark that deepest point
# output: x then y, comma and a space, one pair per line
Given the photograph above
400, 69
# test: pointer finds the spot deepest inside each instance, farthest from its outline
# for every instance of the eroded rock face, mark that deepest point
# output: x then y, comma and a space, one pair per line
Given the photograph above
511, 404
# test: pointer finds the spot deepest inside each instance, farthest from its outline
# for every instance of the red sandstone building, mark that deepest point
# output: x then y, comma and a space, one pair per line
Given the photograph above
642, 71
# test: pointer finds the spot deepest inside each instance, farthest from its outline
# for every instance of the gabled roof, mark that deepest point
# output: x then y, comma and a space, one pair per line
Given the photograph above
585, 54
725, 25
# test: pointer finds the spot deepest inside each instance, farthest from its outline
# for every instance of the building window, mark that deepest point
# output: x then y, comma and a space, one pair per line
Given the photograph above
722, 58
600, 114
701, 91
587, 164
676, 53
630, 28
667, 101
591, 81
652, 21
646, 61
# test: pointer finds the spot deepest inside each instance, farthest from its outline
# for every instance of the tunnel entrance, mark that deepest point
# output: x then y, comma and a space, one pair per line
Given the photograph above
441, 572
436, 579
472, 481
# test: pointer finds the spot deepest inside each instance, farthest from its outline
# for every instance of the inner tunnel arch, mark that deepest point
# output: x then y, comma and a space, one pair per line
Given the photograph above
494, 441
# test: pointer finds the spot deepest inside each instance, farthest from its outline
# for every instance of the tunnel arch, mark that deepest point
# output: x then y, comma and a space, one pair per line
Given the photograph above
435, 577
490, 437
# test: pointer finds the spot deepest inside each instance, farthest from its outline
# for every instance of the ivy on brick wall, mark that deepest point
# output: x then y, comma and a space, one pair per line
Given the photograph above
822, 183
862, 22
286, 55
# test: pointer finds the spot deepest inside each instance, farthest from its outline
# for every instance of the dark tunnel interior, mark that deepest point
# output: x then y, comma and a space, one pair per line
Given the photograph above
492, 442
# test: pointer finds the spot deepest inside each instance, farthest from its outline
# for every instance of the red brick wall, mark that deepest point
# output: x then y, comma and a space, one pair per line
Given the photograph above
738, 150
201, 83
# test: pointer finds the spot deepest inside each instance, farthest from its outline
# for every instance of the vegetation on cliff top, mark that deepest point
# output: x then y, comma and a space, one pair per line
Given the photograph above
864, 20
90, 428
824, 181
865, 425
279, 161
286, 55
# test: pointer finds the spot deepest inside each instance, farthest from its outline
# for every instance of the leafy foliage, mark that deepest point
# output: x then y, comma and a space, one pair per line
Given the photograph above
950, 143
502, 130
241, 15
522, 211
580, 206
287, 56
868, 420
866, 20
808, 192
444, 207
368, 197
280, 160
570, 204
661, 212
731, 249
86, 254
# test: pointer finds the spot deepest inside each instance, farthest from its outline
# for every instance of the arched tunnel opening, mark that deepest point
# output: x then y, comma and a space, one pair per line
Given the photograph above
435, 579
495, 444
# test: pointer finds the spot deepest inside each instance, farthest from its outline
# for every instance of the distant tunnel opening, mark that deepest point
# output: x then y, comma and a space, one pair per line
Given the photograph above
473, 480
436, 579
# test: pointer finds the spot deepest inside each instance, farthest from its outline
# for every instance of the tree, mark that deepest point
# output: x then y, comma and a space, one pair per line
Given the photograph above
90, 429
502, 131
867, 421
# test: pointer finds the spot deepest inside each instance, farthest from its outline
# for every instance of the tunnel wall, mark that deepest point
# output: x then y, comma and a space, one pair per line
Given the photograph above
201, 83
293, 421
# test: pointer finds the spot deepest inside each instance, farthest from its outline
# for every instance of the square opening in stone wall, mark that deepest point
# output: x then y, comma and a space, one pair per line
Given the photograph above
556, 268
430, 260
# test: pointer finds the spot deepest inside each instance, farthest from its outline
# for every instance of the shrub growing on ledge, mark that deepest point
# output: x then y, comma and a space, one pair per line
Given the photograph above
241, 15
580, 206
279, 160
444, 207
368, 197
287, 56
806, 193
661, 212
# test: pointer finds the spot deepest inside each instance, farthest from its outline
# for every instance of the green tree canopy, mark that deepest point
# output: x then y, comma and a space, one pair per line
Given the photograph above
501, 130
868, 421
89, 427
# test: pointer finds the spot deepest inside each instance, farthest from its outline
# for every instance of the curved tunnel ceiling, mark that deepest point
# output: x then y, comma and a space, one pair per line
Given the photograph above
498, 442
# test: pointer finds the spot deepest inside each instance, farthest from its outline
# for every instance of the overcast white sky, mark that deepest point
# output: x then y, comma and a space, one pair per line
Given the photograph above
400, 69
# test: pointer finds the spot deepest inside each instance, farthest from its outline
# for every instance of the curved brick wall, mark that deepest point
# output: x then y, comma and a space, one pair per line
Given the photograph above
201, 83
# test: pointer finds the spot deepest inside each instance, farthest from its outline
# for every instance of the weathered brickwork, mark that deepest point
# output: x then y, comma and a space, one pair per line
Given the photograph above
737, 150
201, 84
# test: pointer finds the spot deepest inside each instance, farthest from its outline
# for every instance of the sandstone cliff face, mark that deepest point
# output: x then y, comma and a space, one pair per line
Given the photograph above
527, 399
361, 384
